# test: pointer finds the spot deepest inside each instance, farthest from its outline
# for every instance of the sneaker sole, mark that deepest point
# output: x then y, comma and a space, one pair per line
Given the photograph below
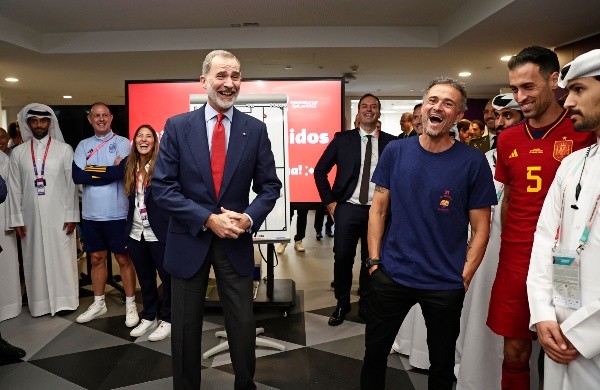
141, 334
101, 312
133, 324
159, 339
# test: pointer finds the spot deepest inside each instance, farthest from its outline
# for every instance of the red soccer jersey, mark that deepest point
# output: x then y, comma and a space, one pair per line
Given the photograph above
528, 165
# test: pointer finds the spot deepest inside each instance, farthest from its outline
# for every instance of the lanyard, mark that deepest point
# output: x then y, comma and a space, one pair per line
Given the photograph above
141, 185
90, 154
35, 171
586, 231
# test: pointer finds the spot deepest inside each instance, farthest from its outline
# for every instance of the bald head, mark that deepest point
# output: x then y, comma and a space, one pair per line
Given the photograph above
406, 122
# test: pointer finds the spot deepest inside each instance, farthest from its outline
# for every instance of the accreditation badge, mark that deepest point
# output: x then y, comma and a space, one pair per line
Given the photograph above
40, 185
144, 217
566, 279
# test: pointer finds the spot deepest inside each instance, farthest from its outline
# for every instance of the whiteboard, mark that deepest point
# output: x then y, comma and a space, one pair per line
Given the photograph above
272, 110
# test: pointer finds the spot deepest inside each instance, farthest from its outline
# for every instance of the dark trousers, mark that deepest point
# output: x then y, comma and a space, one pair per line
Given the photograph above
351, 223
389, 304
300, 223
320, 213
148, 258
236, 297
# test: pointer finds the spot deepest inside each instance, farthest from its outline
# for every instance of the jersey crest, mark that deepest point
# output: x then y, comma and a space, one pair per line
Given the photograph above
562, 148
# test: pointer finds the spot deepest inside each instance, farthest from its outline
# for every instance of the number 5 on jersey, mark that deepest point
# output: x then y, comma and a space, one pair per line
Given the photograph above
531, 175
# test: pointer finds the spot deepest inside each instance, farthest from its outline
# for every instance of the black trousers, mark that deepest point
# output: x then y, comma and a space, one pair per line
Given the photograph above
148, 258
389, 304
236, 297
351, 222
301, 220
320, 213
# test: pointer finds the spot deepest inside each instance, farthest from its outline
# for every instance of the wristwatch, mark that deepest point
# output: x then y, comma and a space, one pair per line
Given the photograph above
371, 262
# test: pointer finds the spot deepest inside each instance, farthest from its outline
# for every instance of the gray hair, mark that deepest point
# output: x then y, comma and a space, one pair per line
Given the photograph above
216, 53
460, 87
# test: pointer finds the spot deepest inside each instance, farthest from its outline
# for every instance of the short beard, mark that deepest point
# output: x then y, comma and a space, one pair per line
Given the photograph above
222, 104
435, 135
586, 123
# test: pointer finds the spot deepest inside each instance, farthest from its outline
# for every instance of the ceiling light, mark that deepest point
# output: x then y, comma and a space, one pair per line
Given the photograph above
67, 97
505, 58
288, 67
11, 79
464, 74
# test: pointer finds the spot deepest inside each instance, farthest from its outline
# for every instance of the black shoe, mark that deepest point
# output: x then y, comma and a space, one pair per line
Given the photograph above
338, 316
8, 351
329, 233
62, 313
319, 236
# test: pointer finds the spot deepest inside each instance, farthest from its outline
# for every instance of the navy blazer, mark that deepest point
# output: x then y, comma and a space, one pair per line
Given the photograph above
345, 153
183, 186
159, 221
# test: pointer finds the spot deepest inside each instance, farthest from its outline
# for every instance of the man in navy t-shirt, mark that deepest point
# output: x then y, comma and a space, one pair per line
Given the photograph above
418, 245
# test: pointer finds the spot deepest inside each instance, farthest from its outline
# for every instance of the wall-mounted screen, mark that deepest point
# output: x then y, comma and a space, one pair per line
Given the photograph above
313, 114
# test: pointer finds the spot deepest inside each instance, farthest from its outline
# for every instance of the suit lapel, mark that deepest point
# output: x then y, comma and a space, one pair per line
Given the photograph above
197, 141
381, 142
356, 151
238, 139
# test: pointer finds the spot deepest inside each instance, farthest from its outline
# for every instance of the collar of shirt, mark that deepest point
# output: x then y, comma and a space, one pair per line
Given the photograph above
146, 167
364, 133
40, 143
210, 117
104, 137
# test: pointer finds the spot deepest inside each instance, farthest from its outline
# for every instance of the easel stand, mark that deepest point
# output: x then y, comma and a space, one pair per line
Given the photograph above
280, 293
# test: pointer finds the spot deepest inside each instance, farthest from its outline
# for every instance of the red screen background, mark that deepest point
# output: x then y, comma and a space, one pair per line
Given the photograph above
314, 115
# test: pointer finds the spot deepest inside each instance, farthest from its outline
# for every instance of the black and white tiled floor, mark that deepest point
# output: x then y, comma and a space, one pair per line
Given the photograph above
62, 354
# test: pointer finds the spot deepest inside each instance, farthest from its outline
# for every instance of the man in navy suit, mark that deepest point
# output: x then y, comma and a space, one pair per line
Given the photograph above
349, 200
211, 224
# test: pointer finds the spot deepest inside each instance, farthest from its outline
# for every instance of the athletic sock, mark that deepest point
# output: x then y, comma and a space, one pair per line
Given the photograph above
515, 375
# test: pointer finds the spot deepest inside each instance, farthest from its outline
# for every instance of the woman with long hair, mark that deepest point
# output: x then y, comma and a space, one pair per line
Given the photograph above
147, 229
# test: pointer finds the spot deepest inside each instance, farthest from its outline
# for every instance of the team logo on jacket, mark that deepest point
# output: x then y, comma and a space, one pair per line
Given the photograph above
562, 148
445, 201
112, 148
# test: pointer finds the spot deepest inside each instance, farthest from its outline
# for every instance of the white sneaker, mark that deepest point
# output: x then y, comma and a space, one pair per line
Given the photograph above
131, 316
162, 332
142, 328
281, 248
95, 310
298, 246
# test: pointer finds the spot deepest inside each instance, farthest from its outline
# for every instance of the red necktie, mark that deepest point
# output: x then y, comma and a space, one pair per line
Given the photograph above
217, 155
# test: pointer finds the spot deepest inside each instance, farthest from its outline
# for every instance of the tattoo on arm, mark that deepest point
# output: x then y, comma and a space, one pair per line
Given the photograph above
381, 189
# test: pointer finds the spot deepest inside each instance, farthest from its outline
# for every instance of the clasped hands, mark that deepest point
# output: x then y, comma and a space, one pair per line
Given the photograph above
554, 342
228, 224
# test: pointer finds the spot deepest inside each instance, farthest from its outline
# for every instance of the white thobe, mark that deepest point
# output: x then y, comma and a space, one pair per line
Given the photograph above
581, 327
479, 350
10, 284
49, 254
411, 339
